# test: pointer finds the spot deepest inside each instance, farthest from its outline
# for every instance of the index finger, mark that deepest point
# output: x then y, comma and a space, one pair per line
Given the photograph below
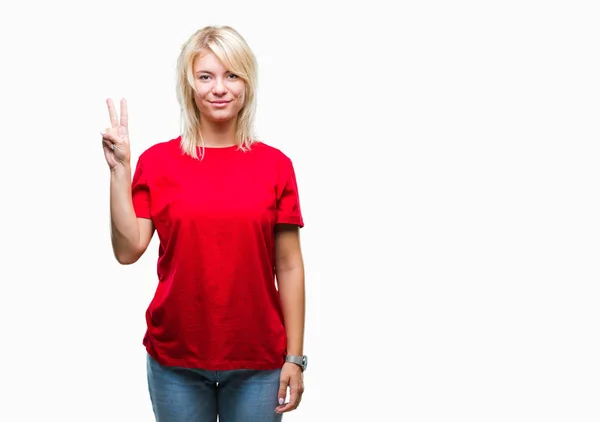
295, 397
124, 115
112, 113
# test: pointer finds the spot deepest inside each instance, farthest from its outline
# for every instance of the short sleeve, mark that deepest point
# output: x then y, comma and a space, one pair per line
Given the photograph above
288, 200
140, 193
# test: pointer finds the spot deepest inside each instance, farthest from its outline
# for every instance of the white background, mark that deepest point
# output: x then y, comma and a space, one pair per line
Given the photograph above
447, 157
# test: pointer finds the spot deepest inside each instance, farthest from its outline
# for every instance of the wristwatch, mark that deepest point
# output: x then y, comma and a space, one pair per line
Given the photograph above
301, 361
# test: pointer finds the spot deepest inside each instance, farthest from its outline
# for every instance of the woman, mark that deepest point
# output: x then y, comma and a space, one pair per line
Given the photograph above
225, 328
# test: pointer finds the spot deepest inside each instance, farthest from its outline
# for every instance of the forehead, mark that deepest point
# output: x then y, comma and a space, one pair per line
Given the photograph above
207, 60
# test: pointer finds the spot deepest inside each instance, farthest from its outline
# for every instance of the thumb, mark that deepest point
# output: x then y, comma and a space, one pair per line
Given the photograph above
282, 391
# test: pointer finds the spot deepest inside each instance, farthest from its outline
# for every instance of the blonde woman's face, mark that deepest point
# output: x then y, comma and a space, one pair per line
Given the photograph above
219, 93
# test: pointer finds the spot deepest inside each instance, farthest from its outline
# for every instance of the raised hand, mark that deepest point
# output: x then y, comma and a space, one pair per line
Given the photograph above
115, 139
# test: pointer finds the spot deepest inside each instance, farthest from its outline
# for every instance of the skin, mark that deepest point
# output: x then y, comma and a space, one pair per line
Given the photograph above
289, 269
130, 235
213, 85
219, 97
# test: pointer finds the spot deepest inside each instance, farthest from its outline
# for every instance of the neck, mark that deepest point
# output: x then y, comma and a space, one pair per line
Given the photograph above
219, 134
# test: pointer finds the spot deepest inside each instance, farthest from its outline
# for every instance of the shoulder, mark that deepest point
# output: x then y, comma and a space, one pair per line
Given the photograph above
270, 152
161, 150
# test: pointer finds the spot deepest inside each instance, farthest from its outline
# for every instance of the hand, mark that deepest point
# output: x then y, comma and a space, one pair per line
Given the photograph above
115, 139
291, 376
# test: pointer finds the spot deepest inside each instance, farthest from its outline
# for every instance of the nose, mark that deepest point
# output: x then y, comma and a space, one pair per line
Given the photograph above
219, 87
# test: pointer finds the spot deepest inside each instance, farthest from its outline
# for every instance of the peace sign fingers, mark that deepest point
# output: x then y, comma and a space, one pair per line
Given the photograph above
112, 112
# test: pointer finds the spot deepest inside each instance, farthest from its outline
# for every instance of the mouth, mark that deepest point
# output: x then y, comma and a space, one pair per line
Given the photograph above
220, 102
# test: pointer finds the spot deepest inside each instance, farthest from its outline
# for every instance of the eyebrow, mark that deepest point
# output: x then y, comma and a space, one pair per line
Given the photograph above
209, 72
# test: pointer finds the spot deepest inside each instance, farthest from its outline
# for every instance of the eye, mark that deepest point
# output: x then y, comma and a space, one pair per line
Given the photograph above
203, 77
233, 76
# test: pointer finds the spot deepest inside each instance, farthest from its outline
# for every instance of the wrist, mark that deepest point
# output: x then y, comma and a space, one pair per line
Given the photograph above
299, 360
121, 170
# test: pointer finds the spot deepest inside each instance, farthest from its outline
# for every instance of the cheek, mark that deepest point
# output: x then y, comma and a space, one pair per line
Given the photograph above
241, 95
199, 99
200, 92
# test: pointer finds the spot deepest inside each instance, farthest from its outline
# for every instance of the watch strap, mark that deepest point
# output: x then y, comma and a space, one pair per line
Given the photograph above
298, 360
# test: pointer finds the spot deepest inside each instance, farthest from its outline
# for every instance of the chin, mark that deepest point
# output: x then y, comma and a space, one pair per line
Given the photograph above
221, 117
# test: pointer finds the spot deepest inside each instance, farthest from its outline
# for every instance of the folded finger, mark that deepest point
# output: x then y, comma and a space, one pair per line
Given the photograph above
107, 144
292, 404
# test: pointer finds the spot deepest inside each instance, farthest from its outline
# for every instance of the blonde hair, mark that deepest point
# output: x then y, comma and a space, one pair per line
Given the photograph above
235, 54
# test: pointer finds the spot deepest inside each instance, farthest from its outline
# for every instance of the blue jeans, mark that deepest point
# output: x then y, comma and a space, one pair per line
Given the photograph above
197, 395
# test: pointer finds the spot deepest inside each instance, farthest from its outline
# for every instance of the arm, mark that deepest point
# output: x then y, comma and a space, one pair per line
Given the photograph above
289, 269
130, 235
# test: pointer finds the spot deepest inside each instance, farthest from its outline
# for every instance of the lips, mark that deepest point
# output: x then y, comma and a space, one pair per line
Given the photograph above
220, 102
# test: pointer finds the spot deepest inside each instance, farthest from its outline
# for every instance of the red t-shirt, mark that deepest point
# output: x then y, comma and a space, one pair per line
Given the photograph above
216, 306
